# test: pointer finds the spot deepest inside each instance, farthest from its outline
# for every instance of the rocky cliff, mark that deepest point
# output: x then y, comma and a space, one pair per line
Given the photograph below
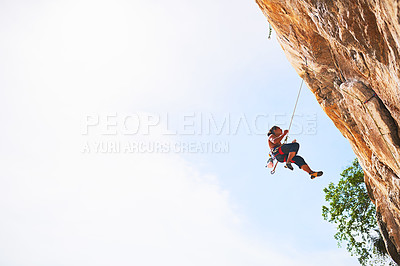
348, 53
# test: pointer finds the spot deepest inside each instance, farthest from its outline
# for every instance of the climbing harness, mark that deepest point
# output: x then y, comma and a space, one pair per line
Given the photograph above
272, 157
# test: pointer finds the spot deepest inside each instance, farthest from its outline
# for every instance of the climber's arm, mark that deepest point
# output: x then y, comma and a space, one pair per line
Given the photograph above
277, 140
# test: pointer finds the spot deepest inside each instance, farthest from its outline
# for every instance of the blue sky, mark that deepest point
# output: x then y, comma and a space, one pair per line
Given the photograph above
66, 60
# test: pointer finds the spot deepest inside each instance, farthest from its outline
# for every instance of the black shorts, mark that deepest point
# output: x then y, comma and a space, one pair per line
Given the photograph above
283, 151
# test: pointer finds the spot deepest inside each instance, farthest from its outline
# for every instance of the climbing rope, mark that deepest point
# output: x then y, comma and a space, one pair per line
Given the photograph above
269, 31
370, 98
291, 120
294, 110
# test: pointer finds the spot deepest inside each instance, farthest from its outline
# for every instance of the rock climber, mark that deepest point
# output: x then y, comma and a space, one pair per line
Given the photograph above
287, 152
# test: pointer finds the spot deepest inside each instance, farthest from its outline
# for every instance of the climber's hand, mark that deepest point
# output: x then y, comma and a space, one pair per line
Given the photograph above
285, 132
294, 141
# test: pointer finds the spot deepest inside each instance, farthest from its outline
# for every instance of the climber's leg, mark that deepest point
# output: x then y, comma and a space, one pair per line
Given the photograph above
306, 168
292, 150
299, 161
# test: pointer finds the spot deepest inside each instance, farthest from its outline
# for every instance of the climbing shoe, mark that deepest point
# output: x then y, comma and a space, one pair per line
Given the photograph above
289, 166
315, 174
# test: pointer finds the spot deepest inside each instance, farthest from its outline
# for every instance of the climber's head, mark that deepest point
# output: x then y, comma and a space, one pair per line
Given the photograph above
275, 130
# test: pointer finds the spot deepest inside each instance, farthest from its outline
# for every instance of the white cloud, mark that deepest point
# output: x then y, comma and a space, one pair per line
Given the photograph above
70, 208
64, 60
118, 210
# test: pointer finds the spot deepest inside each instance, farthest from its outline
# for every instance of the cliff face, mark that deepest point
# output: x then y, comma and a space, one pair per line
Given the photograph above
348, 52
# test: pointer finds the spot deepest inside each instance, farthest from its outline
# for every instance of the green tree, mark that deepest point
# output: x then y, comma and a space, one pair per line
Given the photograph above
351, 209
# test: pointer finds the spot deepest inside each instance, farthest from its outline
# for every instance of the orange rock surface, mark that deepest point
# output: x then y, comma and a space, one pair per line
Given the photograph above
348, 53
